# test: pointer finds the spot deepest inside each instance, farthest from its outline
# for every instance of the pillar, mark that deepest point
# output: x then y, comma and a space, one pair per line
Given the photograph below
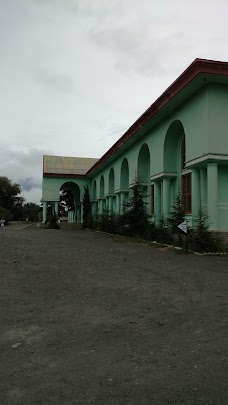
203, 187
57, 208
110, 204
165, 197
82, 210
195, 193
93, 208
121, 203
100, 205
212, 195
157, 202
44, 211
117, 203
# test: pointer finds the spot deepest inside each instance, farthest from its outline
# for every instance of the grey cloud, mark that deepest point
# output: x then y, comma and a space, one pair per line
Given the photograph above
25, 168
16, 164
28, 183
26, 158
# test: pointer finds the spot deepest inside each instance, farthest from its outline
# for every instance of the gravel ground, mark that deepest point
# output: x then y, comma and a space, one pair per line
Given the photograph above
90, 319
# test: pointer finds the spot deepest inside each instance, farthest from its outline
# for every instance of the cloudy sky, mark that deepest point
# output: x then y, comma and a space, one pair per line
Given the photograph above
75, 74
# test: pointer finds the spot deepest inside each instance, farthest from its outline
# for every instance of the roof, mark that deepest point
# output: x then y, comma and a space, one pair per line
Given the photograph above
63, 165
181, 85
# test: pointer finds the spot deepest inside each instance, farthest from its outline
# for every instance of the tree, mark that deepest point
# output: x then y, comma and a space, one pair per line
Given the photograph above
9, 194
177, 215
31, 211
135, 215
66, 200
86, 203
5, 214
202, 240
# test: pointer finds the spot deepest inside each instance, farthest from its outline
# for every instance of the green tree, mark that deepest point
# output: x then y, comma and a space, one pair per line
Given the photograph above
201, 239
31, 211
177, 215
9, 194
135, 215
86, 203
53, 221
66, 201
4, 213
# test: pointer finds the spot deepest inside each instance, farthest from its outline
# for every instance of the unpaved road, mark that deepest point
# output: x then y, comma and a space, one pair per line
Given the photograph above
89, 320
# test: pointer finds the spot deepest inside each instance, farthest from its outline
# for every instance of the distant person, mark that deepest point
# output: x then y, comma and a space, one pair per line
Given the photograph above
2, 222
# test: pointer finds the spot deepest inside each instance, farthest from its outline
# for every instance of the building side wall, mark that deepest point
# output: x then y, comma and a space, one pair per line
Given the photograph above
51, 186
202, 121
218, 119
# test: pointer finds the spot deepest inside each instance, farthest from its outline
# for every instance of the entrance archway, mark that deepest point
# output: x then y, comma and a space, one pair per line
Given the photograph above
70, 201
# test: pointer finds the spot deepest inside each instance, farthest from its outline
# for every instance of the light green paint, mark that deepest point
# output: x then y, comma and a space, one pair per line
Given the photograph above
155, 157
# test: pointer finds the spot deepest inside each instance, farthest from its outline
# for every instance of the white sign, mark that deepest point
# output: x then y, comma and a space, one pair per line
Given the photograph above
183, 227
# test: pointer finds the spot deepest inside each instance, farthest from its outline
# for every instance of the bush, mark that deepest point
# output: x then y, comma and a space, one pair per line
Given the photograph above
134, 223
53, 222
201, 239
87, 215
135, 217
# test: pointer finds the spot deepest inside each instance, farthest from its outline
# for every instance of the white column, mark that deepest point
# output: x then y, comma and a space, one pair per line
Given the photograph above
212, 195
203, 186
157, 202
44, 211
81, 219
121, 202
165, 197
110, 204
195, 193
57, 208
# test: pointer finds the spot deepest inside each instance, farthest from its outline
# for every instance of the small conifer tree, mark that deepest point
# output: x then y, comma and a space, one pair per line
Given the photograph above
177, 215
135, 214
202, 239
53, 223
86, 208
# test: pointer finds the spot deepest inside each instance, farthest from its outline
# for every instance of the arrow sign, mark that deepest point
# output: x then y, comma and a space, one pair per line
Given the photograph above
183, 227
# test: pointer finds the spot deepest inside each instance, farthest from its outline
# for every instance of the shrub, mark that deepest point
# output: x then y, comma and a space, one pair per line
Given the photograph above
201, 239
53, 221
135, 216
86, 203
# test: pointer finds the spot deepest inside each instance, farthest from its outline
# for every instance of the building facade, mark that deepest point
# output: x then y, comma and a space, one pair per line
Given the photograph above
179, 145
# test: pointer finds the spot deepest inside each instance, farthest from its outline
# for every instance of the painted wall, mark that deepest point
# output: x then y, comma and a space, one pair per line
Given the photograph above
203, 121
194, 118
218, 118
51, 187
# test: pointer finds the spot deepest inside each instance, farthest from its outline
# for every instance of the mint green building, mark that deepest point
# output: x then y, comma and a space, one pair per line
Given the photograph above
179, 143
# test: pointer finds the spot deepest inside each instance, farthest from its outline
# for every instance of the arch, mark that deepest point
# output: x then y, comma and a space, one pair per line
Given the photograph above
143, 165
94, 190
172, 146
72, 192
124, 175
111, 183
102, 186
174, 162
